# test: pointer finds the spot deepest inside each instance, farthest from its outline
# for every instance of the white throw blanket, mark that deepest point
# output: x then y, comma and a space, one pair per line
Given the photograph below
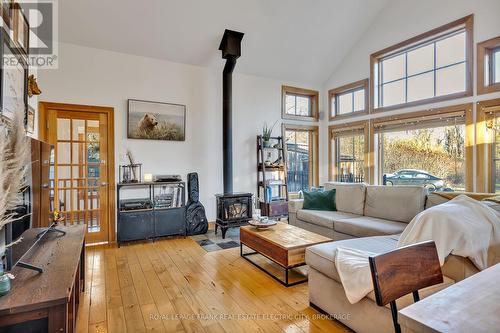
462, 226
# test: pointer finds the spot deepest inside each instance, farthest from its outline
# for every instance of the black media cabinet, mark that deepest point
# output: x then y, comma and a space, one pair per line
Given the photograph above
150, 210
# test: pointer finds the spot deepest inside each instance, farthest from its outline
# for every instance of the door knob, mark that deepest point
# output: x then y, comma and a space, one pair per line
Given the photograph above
104, 184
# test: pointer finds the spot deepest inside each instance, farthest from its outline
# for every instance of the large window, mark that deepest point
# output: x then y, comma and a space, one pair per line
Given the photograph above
349, 99
495, 154
428, 150
347, 153
299, 104
488, 66
430, 67
301, 154
488, 146
495, 66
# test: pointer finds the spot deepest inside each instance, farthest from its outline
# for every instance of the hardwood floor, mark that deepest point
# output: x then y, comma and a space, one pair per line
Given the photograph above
173, 285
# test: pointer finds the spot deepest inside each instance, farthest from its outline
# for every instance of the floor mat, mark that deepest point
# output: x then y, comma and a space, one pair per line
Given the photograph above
212, 242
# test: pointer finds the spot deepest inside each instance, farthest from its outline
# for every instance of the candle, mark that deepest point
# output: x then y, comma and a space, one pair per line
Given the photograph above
148, 177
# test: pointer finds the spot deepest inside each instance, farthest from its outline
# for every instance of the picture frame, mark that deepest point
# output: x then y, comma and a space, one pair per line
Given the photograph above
5, 12
20, 28
30, 120
13, 79
148, 120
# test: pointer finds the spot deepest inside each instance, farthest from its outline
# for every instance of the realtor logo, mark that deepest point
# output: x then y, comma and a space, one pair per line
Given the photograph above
32, 26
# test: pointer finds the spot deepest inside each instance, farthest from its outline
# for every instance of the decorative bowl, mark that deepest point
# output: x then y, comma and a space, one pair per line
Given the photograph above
264, 224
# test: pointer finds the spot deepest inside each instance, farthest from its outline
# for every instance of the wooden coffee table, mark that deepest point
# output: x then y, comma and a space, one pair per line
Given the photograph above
283, 243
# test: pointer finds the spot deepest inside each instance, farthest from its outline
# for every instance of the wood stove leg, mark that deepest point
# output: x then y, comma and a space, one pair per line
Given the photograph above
224, 230
216, 228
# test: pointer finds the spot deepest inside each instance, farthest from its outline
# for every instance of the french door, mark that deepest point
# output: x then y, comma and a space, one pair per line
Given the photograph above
81, 172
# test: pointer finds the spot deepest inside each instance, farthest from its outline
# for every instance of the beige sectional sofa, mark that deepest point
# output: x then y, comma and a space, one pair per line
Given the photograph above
370, 218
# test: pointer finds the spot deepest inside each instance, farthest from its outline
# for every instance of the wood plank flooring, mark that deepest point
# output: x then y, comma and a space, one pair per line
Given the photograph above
173, 285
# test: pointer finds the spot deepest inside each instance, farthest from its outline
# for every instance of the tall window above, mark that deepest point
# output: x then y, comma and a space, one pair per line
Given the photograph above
488, 66
350, 99
299, 104
430, 67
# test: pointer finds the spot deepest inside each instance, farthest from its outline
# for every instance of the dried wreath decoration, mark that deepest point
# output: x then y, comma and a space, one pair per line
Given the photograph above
14, 158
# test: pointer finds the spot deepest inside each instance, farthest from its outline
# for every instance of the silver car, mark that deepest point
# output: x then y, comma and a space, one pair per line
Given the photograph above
414, 177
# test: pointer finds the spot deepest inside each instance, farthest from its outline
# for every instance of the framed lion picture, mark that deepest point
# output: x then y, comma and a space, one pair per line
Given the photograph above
156, 121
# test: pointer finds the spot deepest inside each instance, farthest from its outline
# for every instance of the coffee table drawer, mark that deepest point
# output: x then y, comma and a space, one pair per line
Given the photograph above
268, 249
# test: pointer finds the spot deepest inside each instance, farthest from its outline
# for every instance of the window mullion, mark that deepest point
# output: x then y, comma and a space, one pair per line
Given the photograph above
381, 81
406, 77
435, 70
352, 99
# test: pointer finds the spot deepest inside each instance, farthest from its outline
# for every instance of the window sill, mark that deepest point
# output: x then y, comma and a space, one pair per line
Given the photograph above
301, 118
482, 89
348, 115
423, 102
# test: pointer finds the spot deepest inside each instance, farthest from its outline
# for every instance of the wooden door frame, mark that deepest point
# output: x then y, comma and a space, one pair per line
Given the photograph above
44, 107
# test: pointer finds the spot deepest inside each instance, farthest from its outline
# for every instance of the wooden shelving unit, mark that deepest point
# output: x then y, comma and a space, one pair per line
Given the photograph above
271, 161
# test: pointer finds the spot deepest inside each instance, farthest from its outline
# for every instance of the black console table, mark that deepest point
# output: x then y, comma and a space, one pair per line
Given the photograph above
150, 210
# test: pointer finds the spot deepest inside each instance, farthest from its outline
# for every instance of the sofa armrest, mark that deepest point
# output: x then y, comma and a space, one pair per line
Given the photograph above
295, 205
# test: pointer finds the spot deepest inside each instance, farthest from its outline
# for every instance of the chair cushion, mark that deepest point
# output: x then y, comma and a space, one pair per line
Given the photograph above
349, 197
366, 226
321, 257
323, 218
395, 203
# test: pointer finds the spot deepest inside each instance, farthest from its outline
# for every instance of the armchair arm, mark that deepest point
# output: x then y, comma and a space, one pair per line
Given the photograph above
295, 205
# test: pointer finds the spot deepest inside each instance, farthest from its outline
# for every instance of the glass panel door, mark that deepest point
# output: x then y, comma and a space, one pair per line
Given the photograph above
80, 170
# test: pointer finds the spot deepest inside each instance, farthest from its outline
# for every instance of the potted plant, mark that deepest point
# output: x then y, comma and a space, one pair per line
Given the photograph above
5, 278
266, 134
14, 156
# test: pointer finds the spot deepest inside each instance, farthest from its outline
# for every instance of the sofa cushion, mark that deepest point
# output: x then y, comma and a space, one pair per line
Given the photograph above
434, 199
321, 257
323, 217
366, 226
395, 203
350, 197
319, 200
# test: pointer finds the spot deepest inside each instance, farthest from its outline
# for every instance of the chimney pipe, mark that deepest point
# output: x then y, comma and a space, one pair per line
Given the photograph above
231, 50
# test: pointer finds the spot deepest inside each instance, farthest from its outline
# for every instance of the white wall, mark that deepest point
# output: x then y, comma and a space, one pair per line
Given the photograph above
98, 77
401, 20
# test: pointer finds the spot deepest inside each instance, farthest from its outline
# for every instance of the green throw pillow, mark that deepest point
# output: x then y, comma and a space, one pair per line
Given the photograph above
320, 200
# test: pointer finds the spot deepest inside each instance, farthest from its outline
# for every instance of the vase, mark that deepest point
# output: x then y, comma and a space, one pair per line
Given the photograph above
4, 285
266, 143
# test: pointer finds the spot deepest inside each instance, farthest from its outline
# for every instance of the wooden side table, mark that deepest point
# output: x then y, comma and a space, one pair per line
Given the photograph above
47, 301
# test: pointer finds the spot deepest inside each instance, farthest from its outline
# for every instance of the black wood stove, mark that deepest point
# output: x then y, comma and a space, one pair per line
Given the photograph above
233, 208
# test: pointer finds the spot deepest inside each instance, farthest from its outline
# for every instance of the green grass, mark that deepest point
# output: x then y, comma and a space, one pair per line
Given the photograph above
162, 131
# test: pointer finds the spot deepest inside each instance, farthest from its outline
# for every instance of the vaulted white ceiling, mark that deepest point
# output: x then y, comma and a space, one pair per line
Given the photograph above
293, 40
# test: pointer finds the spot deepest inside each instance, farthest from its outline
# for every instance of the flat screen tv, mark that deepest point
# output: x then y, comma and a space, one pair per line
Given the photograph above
26, 227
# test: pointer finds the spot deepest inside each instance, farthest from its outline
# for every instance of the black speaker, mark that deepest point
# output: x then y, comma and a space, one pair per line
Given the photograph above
196, 219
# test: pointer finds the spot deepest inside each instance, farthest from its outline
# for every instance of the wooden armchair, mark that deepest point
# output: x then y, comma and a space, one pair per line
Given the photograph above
403, 271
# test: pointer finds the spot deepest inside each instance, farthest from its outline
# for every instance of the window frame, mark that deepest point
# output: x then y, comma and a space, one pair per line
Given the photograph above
422, 39
313, 145
486, 49
348, 88
333, 131
313, 96
466, 108
486, 111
